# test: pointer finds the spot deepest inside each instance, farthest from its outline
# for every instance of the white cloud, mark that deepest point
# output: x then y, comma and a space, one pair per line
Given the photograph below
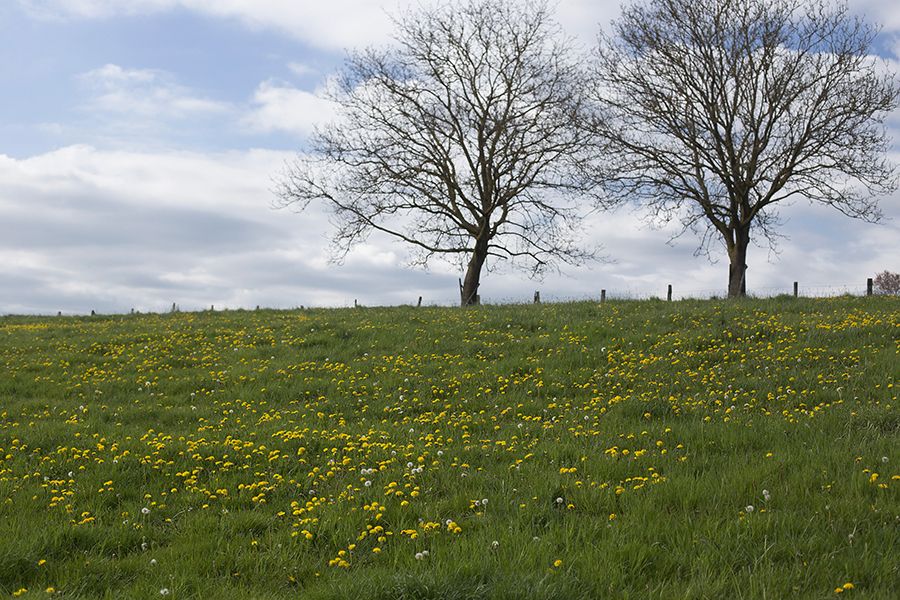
342, 24
336, 24
883, 12
82, 229
280, 107
145, 93
140, 102
301, 69
332, 25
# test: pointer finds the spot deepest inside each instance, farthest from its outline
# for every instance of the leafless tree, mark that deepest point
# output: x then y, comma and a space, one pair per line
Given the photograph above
721, 110
887, 283
463, 139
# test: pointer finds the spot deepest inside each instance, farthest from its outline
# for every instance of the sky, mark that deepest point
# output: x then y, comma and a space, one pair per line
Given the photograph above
140, 141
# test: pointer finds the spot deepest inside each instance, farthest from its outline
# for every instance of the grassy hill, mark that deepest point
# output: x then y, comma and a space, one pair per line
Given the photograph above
625, 450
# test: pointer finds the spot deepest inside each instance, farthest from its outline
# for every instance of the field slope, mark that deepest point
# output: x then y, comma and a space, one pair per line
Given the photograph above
626, 450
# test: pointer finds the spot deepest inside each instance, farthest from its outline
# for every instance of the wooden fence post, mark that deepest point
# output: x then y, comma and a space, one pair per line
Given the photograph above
669, 293
537, 297
869, 283
419, 303
602, 296
796, 289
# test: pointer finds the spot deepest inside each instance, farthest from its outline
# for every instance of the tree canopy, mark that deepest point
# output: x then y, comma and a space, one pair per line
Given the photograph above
719, 111
465, 139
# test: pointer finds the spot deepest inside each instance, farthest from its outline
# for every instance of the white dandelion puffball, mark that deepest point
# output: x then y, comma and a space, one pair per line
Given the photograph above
749, 508
145, 511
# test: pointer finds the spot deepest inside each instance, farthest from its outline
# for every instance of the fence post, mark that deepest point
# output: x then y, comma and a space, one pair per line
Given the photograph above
355, 303
602, 296
419, 303
796, 289
869, 286
537, 297
669, 293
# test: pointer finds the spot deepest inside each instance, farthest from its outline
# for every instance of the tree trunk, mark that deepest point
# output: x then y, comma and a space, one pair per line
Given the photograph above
737, 268
469, 291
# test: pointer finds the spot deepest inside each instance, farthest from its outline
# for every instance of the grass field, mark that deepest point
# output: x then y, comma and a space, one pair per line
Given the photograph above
627, 450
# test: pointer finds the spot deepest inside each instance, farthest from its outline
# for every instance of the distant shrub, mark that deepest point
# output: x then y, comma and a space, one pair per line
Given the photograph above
887, 283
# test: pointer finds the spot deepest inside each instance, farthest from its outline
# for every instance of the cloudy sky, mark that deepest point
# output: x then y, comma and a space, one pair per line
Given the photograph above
139, 139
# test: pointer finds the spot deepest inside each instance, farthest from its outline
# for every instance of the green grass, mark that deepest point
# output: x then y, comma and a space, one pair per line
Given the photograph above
620, 447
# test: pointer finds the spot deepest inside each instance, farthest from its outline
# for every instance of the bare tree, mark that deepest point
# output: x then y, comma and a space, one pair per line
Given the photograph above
463, 139
720, 110
887, 283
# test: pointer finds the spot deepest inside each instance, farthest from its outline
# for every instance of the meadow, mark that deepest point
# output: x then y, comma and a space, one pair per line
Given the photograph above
693, 449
